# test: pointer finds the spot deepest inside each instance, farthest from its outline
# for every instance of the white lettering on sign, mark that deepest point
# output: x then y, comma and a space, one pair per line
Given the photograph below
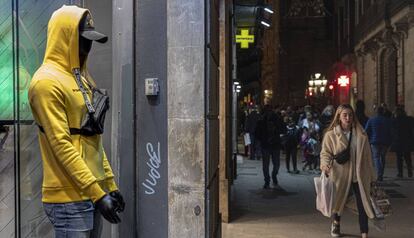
153, 164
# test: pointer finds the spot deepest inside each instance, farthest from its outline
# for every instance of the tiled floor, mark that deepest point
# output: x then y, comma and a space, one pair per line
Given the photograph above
289, 211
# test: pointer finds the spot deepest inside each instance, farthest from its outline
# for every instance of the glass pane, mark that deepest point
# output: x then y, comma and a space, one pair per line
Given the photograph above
33, 18
7, 209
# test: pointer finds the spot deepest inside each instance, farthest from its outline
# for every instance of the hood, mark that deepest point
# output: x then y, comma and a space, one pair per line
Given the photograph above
62, 47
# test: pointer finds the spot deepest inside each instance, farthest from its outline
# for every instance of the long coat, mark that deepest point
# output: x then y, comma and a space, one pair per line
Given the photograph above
334, 142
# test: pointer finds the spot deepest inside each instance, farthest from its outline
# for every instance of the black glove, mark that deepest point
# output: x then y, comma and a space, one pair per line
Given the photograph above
120, 200
107, 207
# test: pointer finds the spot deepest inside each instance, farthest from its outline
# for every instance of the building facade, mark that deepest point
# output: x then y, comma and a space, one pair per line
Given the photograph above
382, 44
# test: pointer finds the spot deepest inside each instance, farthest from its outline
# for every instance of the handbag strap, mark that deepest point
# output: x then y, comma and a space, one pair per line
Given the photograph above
78, 79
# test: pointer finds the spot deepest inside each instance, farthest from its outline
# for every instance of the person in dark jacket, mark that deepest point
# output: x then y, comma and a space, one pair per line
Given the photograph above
291, 142
326, 118
402, 139
378, 129
360, 113
387, 112
268, 132
250, 127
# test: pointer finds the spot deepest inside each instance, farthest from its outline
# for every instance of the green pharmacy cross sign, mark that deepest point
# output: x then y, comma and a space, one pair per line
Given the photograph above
244, 39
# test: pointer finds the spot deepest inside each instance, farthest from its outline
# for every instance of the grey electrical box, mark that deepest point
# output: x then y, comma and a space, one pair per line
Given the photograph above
152, 87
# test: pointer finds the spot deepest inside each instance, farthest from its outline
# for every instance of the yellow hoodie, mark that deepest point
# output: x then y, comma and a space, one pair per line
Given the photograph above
75, 167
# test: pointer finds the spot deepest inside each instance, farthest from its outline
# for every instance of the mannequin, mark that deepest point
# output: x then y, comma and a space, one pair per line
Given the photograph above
112, 203
79, 185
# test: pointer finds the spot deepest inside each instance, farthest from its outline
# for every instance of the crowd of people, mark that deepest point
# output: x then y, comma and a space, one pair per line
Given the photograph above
322, 136
298, 133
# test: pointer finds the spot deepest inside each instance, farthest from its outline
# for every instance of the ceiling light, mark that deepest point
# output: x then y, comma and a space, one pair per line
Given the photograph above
267, 9
264, 23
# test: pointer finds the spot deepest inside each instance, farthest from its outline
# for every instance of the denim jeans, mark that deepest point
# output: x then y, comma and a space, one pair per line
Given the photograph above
275, 154
378, 154
74, 219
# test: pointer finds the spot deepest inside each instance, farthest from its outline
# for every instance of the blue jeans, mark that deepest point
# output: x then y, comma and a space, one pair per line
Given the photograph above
74, 219
378, 154
275, 154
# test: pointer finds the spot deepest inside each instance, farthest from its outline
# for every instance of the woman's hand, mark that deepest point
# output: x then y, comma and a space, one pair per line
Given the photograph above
326, 169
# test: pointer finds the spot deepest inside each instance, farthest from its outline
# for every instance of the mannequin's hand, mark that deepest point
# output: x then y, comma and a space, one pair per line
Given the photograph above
120, 200
107, 206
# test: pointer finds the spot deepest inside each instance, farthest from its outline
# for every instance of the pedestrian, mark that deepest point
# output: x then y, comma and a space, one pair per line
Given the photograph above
310, 123
78, 183
310, 140
356, 174
311, 149
291, 142
387, 112
360, 113
242, 115
326, 118
250, 127
378, 129
402, 140
269, 129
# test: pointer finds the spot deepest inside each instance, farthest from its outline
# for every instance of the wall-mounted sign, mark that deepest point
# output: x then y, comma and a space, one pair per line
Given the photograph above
343, 81
244, 39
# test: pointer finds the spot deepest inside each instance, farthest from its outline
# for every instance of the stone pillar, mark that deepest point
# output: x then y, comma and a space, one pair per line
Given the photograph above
186, 118
123, 158
270, 62
225, 109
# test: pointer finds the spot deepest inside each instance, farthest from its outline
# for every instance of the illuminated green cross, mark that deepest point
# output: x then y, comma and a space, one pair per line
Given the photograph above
244, 39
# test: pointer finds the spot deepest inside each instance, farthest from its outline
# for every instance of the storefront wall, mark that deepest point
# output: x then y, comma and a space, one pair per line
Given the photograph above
22, 45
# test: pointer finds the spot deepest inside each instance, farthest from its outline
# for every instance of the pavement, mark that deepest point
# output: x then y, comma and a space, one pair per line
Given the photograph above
288, 211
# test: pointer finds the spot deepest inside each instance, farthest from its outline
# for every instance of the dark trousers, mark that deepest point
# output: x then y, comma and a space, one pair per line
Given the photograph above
401, 157
291, 153
311, 162
378, 153
255, 151
275, 155
363, 218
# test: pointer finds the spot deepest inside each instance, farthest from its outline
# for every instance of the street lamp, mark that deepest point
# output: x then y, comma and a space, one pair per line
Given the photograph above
317, 84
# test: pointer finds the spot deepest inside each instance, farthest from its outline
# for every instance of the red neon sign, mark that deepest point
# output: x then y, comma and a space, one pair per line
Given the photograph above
343, 81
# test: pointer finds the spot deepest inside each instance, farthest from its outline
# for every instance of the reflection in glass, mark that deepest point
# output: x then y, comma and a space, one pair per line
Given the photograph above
32, 20
7, 198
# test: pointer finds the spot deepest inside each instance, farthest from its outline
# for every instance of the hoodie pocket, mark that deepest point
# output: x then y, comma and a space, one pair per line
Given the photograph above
92, 154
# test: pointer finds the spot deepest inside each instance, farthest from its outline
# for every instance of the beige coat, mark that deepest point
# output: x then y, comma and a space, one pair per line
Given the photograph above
335, 141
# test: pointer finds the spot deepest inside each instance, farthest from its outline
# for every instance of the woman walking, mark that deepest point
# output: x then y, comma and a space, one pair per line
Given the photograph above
354, 175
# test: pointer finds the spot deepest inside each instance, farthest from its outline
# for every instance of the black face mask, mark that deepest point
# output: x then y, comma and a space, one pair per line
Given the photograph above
85, 47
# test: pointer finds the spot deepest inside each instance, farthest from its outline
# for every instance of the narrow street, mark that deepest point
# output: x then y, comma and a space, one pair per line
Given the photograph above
289, 211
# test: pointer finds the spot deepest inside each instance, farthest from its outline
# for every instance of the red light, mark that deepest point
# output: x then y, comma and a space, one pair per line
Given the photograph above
310, 93
251, 103
331, 87
343, 81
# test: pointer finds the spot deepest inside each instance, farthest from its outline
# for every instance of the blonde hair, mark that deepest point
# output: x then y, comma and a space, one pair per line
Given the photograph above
336, 120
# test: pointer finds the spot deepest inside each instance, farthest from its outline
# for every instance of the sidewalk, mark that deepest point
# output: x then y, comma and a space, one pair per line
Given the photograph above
289, 211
